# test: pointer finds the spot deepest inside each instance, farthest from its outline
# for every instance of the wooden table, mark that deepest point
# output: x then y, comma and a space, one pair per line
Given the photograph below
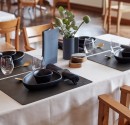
75, 106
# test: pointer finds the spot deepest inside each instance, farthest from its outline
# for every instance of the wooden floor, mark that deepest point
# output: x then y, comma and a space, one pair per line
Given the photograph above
94, 28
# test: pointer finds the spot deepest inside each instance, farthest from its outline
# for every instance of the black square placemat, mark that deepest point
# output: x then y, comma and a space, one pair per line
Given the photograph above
112, 62
16, 90
27, 58
106, 47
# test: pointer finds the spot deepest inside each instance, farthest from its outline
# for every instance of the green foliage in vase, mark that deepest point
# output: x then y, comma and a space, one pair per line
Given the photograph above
66, 23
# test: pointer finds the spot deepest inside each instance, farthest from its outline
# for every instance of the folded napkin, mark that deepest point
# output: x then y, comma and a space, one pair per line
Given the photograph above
66, 74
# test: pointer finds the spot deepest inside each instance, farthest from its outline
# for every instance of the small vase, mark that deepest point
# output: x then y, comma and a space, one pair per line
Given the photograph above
68, 48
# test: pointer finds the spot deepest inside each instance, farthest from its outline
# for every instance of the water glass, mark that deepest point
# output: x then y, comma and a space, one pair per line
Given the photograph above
37, 63
7, 65
114, 46
89, 46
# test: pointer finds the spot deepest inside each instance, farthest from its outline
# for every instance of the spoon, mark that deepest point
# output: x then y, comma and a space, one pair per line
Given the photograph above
20, 79
24, 65
100, 45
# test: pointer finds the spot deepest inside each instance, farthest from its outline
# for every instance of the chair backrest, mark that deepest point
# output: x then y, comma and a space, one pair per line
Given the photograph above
7, 27
106, 102
25, 3
34, 34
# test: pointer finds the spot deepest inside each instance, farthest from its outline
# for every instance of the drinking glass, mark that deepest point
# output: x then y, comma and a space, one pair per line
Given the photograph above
7, 65
114, 46
38, 62
89, 46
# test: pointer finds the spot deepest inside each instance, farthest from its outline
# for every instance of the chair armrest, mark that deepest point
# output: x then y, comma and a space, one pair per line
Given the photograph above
125, 89
116, 106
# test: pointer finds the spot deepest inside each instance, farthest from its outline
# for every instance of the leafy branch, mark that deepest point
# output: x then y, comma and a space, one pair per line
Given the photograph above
66, 23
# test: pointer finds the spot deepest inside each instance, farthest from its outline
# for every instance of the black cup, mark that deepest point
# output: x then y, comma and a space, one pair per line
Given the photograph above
42, 75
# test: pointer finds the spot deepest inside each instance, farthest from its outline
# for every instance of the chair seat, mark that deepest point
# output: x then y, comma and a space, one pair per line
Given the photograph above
123, 8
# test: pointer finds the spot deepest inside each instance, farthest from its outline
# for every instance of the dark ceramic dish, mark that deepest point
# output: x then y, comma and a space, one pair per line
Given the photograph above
42, 75
18, 57
31, 84
120, 58
10, 53
126, 53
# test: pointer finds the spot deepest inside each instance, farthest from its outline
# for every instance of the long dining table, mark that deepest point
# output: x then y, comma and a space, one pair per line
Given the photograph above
72, 107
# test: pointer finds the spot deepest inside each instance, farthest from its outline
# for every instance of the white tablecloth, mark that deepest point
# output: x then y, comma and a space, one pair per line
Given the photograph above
74, 107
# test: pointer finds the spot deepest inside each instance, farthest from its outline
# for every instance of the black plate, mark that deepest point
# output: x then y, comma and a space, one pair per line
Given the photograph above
31, 84
120, 58
18, 57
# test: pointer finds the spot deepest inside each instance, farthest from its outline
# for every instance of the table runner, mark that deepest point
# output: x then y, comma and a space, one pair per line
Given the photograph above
16, 90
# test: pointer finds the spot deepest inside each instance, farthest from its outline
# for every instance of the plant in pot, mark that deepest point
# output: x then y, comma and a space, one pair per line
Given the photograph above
68, 28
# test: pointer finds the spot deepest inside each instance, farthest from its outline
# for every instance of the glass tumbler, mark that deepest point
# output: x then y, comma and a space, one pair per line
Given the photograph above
114, 46
38, 62
89, 46
7, 65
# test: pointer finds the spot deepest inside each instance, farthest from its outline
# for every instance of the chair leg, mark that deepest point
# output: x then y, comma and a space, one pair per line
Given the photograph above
8, 4
119, 14
68, 4
109, 16
2, 3
53, 11
103, 114
34, 9
105, 19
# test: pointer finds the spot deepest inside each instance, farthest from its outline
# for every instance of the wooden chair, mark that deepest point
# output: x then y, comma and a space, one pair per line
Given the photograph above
120, 8
106, 102
34, 34
61, 1
8, 4
9, 26
28, 3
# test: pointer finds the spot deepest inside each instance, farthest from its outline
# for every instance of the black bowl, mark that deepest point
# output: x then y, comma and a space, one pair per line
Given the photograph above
9, 53
30, 83
126, 53
118, 56
42, 75
18, 57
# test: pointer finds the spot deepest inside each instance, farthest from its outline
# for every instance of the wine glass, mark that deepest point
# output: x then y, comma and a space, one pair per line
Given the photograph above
89, 46
38, 62
7, 65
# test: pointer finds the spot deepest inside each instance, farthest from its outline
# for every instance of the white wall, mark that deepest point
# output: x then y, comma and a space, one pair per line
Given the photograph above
95, 3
